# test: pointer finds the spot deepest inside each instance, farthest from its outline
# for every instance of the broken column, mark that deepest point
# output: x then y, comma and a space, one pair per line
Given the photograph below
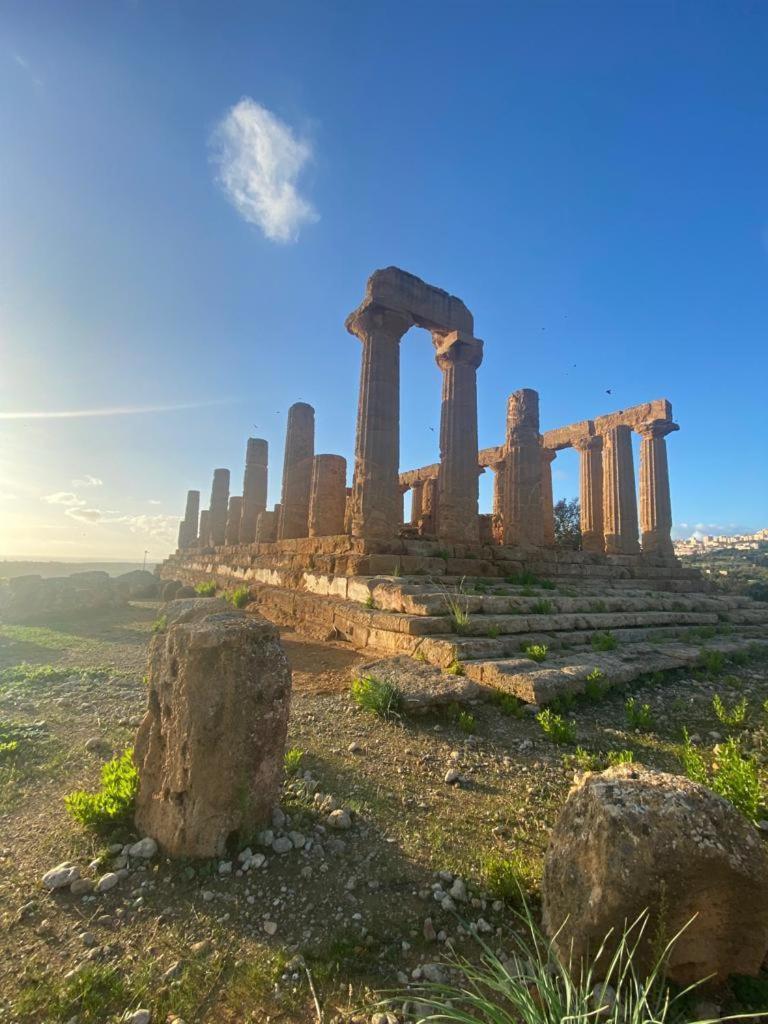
204, 537
522, 518
188, 528
458, 355
210, 758
218, 508
655, 500
548, 456
619, 498
297, 471
254, 487
590, 451
233, 521
328, 496
266, 526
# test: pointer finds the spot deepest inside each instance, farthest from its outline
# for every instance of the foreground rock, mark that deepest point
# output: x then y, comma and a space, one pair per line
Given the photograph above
630, 839
210, 748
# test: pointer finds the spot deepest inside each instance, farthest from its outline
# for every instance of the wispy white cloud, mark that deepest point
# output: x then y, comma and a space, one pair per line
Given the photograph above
88, 481
259, 160
161, 527
153, 501
23, 63
64, 498
114, 410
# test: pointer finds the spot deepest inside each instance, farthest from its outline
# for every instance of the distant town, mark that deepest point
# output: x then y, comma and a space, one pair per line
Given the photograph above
738, 542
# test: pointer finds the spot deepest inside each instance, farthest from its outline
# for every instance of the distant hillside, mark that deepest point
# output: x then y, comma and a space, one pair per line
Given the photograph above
10, 569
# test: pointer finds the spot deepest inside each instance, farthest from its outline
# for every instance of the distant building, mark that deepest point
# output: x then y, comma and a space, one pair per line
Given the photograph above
709, 542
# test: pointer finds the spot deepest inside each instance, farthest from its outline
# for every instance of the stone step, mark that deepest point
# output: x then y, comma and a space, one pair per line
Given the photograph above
497, 625
540, 683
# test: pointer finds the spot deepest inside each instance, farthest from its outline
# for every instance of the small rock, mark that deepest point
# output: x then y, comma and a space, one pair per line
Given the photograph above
173, 971
604, 1000
282, 844
434, 973
88, 938
278, 818
339, 819
201, 947
138, 1017
225, 867
458, 891
297, 839
94, 743
208, 896
81, 887
429, 930
145, 848
452, 777
107, 882
355, 748
61, 876
270, 927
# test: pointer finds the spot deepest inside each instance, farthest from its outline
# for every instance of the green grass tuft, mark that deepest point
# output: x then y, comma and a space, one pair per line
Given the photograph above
555, 727
207, 589
293, 760
239, 598
536, 652
604, 641
111, 805
638, 715
377, 697
734, 717
732, 774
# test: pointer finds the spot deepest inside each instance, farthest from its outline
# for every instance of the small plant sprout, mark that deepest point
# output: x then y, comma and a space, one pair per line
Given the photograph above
595, 685
293, 761
160, 624
556, 728
620, 757
207, 589
378, 697
639, 716
536, 652
466, 722
604, 641
369, 601
542, 607
511, 877
239, 598
734, 717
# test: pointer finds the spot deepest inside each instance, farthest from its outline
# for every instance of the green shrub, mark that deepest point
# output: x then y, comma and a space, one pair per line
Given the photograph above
595, 685
734, 717
604, 641
536, 652
239, 598
466, 722
207, 589
508, 704
732, 774
555, 727
638, 715
160, 624
293, 759
378, 697
712, 662
542, 607
111, 805
8, 747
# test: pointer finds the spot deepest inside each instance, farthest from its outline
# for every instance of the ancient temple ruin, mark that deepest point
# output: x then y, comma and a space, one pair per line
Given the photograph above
340, 561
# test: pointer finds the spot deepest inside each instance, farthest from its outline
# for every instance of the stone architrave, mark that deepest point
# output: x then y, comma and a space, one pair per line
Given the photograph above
233, 520
655, 500
328, 496
548, 456
522, 490
458, 356
619, 496
254, 487
266, 526
590, 451
219, 507
297, 472
189, 524
417, 502
210, 758
204, 538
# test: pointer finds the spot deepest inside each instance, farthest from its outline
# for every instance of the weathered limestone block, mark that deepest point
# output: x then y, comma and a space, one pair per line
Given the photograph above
328, 496
458, 356
655, 501
210, 748
619, 496
266, 526
631, 839
219, 507
232, 535
522, 489
297, 471
254, 487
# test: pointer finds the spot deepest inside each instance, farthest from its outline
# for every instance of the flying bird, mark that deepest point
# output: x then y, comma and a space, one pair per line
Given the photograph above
608, 391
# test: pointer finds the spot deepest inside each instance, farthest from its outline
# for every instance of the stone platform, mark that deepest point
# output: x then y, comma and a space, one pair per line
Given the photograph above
658, 614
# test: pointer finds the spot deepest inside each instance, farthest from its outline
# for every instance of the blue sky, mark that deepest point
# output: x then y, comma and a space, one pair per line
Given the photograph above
591, 179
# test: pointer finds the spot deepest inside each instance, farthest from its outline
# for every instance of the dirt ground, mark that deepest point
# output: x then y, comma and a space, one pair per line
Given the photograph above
355, 913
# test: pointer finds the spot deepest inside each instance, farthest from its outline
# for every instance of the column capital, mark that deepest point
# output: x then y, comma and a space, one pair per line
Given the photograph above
549, 454
457, 347
371, 318
656, 428
590, 443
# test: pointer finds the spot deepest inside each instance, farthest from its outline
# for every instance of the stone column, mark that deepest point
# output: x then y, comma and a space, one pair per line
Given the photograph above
521, 515
233, 521
219, 506
375, 488
297, 472
266, 526
619, 497
188, 527
254, 487
417, 502
458, 356
328, 496
548, 456
590, 451
655, 501
204, 537
497, 511
430, 507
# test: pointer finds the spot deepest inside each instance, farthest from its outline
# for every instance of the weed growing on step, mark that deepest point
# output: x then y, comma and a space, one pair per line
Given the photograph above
466, 722
293, 760
536, 652
369, 601
456, 605
111, 805
376, 696
160, 624
555, 727
207, 589
542, 607
521, 579
732, 774
595, 686
639, 716
508, 704
510, 878
712, 662
455, 669
492, 632
604, 641
734, 717
397, 572
547, 585
239, 598
596, 761
598, 606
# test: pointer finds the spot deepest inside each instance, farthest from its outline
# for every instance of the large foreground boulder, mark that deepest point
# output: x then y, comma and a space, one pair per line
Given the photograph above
211, 746
34, 598
139, 584
630, 839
